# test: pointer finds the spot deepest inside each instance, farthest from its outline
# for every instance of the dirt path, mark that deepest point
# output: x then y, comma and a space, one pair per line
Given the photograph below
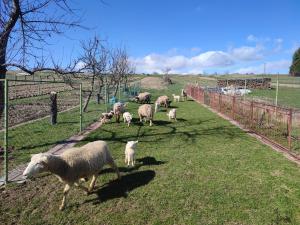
153, 83
16, 174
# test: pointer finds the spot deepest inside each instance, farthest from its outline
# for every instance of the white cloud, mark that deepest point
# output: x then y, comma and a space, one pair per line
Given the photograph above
247, 53
182, 64
280, 66
80, 65
252, 38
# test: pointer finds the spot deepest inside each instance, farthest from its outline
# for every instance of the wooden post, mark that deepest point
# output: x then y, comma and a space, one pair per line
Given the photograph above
220, 102
233, 107
80, 108
290, 119
251, 113
98, 98
53, 107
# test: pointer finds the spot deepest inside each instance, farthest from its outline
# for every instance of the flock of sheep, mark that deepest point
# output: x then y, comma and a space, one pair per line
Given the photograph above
76, 164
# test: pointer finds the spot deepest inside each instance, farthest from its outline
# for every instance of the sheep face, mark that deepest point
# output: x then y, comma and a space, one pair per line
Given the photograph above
131, 144
37, 165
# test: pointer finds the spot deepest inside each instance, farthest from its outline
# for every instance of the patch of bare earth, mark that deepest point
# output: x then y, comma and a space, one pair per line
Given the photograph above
153, 83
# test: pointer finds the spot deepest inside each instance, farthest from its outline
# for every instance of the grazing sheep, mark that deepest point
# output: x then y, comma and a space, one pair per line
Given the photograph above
105, 117
127, 117
144, 97
118, 109
176, 98
172, 114
130, 152
162, 101
73, 165
145, 112
183, 94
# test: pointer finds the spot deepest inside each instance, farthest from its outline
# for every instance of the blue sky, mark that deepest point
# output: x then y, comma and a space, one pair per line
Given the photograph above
192, 36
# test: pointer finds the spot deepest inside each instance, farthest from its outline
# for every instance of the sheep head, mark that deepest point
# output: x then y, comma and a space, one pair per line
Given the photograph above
38, 164
131, 144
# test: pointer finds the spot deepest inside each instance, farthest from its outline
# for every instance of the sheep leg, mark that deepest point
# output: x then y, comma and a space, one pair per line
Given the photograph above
150, 123
92, 184
63, 203
85, 189
114, 166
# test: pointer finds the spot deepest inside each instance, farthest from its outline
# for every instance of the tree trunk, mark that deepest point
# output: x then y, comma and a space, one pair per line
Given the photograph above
2, 76
116, 90
87, 100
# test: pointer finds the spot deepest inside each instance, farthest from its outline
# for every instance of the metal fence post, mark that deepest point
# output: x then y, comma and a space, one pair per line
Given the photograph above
6, 130
251, 113
80, 107
220, 102
290, 128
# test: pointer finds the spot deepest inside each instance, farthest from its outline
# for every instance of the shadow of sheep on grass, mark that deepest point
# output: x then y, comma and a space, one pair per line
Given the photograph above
121, 188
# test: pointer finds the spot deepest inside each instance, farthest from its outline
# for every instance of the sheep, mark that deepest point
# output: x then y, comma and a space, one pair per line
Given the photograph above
176, 98
118, 109
172, 114
144, 97
73, 165
127, 117
130, 152
145, 112
105, 117
183, 94
162, 101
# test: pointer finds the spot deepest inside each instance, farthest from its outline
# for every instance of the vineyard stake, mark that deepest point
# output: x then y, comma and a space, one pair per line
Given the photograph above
6, 131
80, 107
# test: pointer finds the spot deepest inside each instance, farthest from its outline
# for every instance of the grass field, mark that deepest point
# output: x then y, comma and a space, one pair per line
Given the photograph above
39, 136
198, 170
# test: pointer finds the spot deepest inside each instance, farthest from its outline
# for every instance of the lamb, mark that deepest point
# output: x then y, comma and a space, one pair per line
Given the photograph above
145, 112
162, 101
130, 152
144, 97
118, 109
107, 116
73, 165
127, 117
176, 98
172, 114
183, 94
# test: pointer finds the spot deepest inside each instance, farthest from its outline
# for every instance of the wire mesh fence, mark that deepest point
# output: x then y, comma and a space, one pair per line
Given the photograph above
41, 114
278, 124
35, 122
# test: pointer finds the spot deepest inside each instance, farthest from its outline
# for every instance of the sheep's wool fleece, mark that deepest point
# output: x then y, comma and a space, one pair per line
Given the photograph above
145, 110
87, 159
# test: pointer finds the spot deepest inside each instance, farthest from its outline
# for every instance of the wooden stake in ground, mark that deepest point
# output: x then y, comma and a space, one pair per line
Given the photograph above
53, 107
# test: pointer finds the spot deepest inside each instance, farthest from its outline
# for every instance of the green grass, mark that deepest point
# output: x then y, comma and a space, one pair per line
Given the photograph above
39, 136
198, 170
286, 96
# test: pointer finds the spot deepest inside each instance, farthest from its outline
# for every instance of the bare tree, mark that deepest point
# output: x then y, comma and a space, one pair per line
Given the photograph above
94, 61
25, 26
166, 76
120, 69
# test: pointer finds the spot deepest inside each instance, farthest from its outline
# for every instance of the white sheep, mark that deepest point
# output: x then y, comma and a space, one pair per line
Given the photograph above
176, 98
172, 114
144, 97
130, 152
73, 165
118, 109
127, 117
146, 112
162, 101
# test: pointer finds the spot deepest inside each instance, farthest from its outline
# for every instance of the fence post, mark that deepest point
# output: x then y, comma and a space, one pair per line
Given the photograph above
290, 128
233, 106
220, 102
251, 113
80, 107
6, 131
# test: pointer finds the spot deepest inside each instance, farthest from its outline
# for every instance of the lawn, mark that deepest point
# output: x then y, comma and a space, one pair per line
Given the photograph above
287, 96
39, 136
198, 170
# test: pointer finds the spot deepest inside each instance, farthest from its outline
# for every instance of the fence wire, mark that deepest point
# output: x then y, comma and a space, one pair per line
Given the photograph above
281, 125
